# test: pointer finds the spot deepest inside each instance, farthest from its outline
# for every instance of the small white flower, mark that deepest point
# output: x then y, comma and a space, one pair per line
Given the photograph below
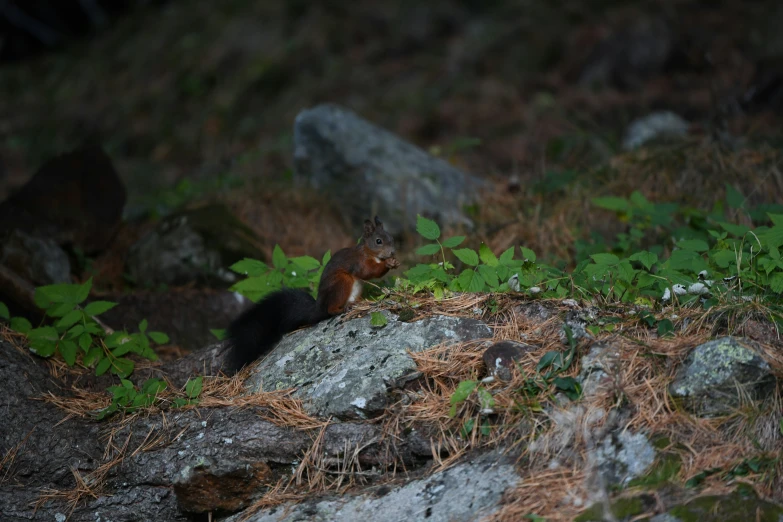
534, 290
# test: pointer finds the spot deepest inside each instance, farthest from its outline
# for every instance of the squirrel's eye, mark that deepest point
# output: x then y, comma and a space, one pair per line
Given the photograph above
378, 241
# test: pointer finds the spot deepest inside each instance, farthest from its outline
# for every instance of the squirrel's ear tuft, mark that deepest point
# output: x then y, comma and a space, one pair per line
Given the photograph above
378, 222
369, 228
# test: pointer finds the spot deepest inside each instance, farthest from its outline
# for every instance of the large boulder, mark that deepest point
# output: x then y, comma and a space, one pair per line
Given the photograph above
346, 369
371, 171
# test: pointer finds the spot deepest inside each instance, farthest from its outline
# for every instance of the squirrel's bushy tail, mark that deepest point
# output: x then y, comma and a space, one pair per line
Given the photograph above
258, 329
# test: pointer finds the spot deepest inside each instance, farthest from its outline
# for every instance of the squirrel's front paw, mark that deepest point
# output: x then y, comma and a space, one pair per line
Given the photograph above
392, 262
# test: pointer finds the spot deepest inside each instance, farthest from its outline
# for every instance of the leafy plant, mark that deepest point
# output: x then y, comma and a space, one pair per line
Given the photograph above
127, 398
76, 335
297, 272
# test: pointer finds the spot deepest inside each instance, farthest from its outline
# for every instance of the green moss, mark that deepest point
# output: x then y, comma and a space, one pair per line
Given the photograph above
738, 506
622, 509
664, 469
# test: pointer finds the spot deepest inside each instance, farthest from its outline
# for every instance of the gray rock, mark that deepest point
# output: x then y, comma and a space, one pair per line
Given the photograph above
500, 358
598, 368
39, 261
662, 124
193, 245
469, 491
346, 369
372, 171
623, 456
719, 375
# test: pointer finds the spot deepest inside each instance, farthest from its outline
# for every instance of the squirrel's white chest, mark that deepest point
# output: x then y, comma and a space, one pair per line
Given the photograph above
356, 291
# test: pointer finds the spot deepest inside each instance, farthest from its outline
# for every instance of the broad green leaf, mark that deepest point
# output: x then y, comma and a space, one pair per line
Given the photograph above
695, 245
83, 291
507, 256
454, 241
143, 326
43, 347
486, 400
724, 258
625, 271
467, 256
772, 237
47, 333
20, 324
776, 282
647, 259
665, 327
547, 360
326, 258
489, 275
487, 256
153, 386
103, 365
220, 334
75, 331
85, 341
777, 219
378, 319
605, 259
464, 389
306, 262
70, 319
528, 254
68, 350
193, 387
93, 355
98, 307
612, 203
122, 367
427, 228
278, 258
471, 281
735, 230
159, 337
734, 197
428, 250
4, 313
250, 267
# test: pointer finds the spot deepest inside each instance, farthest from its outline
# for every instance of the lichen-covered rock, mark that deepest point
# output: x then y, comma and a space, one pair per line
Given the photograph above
468, 491
209, 485
718, 375
346, 369
370, 170
599, 366
623, 456
738, 506
193, 245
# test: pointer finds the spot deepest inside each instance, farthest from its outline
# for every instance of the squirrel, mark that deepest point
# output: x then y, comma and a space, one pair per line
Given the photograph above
257, 330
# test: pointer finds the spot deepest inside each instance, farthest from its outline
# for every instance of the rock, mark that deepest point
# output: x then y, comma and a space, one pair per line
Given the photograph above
346, 369
738, 506
76, 198
599, 367
654, 126
39, 261
371, 171
192, 245
719, 375
470, 490
623, 456
500, 358
186, 315
630, 56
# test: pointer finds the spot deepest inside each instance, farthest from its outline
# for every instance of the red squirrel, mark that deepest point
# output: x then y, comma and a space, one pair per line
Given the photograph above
256, 331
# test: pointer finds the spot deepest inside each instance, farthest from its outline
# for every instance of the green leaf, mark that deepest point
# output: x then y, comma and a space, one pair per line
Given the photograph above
605, 259
59, 310
20, 324
43, 347
103, 365
4, 313
428, 250
647, 259
734, 197
467, 256
694, 245
68, 350
486, 400
471, 281
454, 241
724, 258
378, 319
122, 367
490, 275
777, 219
143, 326
427, 228
326, 258
250, 267
528, 254
159, 337
487, 256
98, 307
735, 230
612, 203
47, 333
220, 334
69, 319
193, 387
507, 256
665, 327
85, 341
547, 360
464, 389
306, 262
278, 258
776, 282
93, 355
